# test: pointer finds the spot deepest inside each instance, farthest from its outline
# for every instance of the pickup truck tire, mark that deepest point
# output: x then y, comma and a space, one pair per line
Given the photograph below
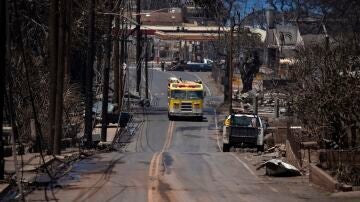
260, 148
226, 147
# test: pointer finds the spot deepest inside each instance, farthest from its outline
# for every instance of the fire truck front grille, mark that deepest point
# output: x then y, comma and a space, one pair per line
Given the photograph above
186, 107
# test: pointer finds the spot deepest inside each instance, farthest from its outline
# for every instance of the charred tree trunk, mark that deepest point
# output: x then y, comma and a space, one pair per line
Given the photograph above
60, 79
53, 54
353, 135
3, 19
249, 69
106, 75
90, 75
99, 58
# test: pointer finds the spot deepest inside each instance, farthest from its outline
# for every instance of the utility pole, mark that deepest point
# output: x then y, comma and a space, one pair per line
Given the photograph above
3, 51
53, 54
138, 46
122, 61
90, 75
230, 73
60, 79
69, 19
127, 75
116, 62
146, 67
106, 72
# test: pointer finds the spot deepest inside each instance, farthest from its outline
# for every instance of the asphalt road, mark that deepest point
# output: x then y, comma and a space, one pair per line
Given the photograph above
175, 161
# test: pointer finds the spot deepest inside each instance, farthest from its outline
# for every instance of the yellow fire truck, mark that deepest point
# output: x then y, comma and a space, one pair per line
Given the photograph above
185, 99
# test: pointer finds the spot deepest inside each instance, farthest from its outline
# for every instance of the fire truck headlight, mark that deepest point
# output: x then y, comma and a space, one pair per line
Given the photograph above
176, 105
196, 106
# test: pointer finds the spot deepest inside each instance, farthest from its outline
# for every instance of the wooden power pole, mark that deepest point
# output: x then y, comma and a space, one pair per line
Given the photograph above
106, 72
3, 19
53, 57
60, 78
138, 46
122, 61
230, 73
146, 67
116, 65
89, 75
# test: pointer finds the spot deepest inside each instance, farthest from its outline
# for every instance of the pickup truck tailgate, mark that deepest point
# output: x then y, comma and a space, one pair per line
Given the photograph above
239, 134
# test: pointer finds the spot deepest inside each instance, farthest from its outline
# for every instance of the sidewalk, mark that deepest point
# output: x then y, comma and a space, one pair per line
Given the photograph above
29, 165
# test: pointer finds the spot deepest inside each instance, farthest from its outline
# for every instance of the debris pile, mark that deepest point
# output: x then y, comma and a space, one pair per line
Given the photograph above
278, 168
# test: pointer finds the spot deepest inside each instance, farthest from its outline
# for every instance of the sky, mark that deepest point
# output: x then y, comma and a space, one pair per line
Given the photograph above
256, 4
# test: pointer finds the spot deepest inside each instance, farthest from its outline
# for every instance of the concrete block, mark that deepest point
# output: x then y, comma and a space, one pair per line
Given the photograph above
346, 188
4, 187
321, 178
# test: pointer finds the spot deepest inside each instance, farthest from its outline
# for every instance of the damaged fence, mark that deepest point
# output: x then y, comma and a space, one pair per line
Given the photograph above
333, 158
344, 164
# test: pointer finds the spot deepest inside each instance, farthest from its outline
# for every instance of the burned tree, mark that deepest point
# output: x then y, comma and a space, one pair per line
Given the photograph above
246, 43
248, 69
326, 93
326, 72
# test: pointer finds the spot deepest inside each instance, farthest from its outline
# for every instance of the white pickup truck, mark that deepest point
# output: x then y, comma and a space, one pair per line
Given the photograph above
243, 130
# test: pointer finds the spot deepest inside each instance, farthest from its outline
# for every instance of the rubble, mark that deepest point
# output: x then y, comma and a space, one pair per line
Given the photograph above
278, 168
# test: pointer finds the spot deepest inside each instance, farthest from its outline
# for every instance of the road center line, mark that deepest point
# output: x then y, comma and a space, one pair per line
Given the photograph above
168, 137
151, 167
155, 164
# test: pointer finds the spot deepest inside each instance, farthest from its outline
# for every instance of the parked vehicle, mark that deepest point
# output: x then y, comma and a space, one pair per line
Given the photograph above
112, 114
205, 66
198, 67
243, 130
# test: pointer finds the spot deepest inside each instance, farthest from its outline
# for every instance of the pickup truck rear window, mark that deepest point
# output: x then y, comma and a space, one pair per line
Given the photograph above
245, 121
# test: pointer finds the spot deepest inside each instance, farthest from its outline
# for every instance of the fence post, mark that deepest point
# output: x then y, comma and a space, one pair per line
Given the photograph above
276, 111
255, 104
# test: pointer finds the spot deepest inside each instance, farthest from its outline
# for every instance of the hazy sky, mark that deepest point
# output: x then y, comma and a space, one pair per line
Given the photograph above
257, 4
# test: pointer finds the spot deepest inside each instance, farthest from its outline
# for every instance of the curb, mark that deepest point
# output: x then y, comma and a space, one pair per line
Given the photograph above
4, 188
321, 178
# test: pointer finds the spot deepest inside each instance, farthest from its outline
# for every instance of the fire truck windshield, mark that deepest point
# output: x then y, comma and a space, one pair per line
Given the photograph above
191, 95
194, 95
